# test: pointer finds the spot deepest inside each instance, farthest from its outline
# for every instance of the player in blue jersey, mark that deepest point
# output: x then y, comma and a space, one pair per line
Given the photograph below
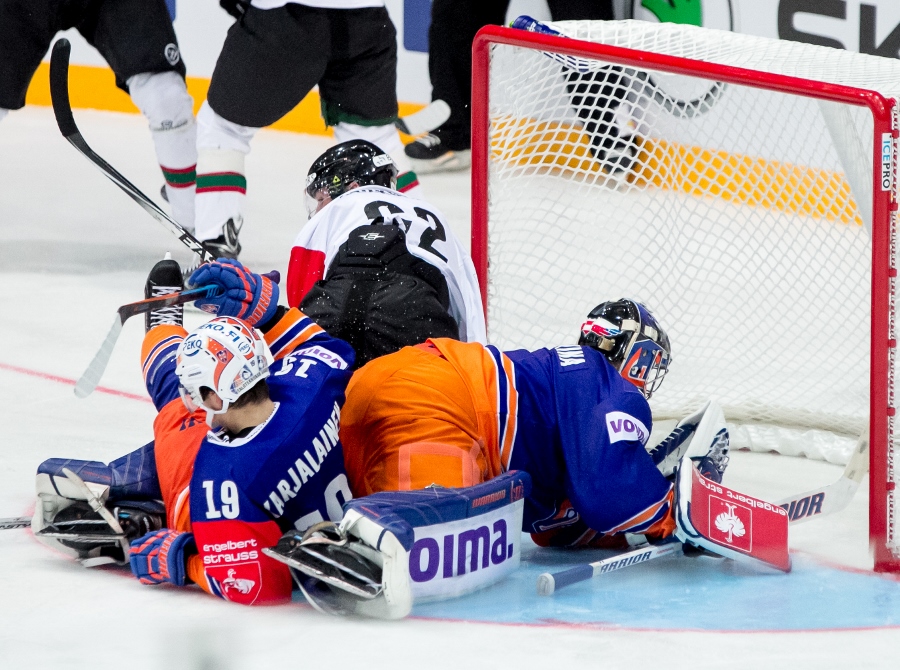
575, 418
246, 447
556, 438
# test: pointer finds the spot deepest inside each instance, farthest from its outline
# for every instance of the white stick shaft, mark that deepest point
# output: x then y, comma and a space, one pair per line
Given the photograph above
96, 504
91, 376
832, 497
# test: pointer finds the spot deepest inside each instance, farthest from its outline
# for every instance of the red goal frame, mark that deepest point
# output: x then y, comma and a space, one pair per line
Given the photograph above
882, 519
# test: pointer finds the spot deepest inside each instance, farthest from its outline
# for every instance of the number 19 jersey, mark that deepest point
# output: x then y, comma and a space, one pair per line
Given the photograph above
287, 472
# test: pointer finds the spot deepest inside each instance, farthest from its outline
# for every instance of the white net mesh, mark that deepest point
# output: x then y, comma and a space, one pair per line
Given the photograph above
741, 217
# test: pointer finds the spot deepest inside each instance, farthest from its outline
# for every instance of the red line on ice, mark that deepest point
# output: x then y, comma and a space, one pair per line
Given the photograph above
70, 382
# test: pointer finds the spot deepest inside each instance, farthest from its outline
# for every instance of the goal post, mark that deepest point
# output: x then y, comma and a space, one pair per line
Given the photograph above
744, 188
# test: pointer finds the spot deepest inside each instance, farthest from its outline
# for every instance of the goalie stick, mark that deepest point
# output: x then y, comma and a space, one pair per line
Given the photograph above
15, 522
62, 110
547, 583
832, 497
802, 507
91, 376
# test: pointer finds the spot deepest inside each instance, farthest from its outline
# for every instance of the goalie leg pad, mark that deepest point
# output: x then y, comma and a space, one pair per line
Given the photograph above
396, 547
67, 515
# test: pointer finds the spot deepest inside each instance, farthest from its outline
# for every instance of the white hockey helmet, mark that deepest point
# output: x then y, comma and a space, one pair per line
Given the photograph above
225, 355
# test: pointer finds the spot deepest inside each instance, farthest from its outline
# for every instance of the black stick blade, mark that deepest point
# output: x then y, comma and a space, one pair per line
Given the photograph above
59, 87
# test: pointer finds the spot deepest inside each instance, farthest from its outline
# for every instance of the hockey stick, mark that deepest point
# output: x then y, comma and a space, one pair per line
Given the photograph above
425, 120
802, 507
91, 376
17, 522
682, 109
547, 583
62, 109
832, 497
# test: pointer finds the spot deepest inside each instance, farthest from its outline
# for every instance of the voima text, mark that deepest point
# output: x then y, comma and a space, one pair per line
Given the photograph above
484, 548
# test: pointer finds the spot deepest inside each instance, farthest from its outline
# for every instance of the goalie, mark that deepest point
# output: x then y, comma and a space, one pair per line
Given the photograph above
575, 417
450, 423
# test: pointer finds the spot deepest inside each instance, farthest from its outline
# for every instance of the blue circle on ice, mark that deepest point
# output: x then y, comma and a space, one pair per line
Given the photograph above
682, 593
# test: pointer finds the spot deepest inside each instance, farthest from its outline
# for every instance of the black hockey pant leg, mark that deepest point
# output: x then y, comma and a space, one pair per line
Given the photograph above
453, 27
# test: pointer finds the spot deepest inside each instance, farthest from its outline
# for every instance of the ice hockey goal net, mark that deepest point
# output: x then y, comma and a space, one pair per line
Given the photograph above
743, 188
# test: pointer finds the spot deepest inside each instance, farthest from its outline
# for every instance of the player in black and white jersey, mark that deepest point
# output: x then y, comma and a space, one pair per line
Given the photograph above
275, 53
375, 266
137, 40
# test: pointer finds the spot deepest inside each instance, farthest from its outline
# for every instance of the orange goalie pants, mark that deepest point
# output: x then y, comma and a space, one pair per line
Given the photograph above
410, 421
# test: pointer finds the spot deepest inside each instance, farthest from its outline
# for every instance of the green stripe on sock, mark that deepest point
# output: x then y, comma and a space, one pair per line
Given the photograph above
180, 178
406, 179
221, 181
333, 115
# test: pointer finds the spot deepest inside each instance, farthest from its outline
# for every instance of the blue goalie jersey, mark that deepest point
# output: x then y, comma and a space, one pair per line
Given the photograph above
581, 432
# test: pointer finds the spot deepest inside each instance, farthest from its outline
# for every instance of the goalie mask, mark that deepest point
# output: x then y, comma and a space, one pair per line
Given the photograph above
225, 355
631, 339
356, 161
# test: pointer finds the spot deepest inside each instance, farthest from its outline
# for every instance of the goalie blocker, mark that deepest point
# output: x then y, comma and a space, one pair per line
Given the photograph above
729, 523
395, 548
712, 516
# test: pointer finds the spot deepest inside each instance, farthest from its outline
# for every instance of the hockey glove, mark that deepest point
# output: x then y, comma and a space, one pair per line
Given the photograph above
243, 294
161, 555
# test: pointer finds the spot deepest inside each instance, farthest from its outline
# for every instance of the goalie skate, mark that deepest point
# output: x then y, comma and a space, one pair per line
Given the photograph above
325, 554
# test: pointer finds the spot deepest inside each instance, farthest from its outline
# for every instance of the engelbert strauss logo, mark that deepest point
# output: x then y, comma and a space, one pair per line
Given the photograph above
733, 521
729, 522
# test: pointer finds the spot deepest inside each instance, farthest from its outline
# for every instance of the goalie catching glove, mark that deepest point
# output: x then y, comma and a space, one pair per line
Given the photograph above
392, 549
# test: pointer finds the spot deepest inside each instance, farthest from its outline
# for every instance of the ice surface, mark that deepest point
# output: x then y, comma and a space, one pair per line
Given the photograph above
72, 249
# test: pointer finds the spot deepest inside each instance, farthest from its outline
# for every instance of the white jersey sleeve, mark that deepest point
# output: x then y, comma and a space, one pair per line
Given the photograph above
427, 237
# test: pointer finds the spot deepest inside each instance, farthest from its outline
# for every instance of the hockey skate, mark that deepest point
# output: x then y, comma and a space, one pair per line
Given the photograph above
429, 154
164, 278
227, 245
701, 437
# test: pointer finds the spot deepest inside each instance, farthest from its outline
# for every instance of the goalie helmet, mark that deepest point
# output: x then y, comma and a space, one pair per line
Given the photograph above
631, 339
225, 355
356, 161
